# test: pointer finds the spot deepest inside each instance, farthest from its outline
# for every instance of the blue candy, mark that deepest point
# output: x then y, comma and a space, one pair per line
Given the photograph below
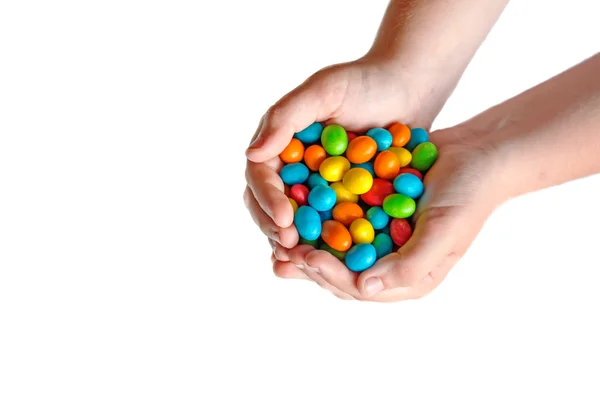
409, 185
308, 223
310, 134
292, 174
368, 166
322, 198
326, 215
383, 245
315, 179
377, 217
386, 230
417, 136
361, 257
382, 137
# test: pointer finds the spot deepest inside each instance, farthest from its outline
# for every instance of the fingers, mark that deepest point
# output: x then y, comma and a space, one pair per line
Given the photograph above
433, 242
334, 272
267, 189
314, 100
287, 270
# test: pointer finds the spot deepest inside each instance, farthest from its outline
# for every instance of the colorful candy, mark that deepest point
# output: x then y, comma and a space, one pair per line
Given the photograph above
293, 153
336, 235
423, 156
362, 231
379, 191
387, 165
322, 198
366, 165
316, 179
399, 206
308, 223
382, 137
358, 180
377, 217
333, 168
400, 134
361, 257
343, 194
334, 140
299, 193
361, 150
417, 136
383, 245
404, 156
311, 134
292, 174
294, 204
400, 231
408, 184
347, 212
314, 156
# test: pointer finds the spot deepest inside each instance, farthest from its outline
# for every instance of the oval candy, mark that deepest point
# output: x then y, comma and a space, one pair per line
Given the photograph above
334, 168
377, 217
423, 156
299, 193
361, 257
400, 134
400, 231
293, 152
347, 212
404, 156
361, 149
334, 140
336, 235
358, 180
311, 134
308, 223
322, 198
417, 136
387, 165
409, 185
315, 179
314, 156
383, 245
382, 137
362, 231
292, 174
379, 191
399, 206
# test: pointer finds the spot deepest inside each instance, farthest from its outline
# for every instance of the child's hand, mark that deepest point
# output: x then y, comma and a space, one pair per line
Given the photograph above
357, 95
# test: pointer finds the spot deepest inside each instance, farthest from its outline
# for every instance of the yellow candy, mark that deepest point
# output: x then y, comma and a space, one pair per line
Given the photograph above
404, 156
332, 169
294, 204
362, 231
342, 194
358, 180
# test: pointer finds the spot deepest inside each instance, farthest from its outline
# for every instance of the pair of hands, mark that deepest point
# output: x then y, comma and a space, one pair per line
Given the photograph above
458, 198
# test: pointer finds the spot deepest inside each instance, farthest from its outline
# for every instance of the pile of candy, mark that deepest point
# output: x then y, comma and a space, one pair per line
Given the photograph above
352, 194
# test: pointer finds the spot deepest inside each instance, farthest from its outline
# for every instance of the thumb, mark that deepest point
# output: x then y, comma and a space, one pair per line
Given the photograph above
314, 100
434, 240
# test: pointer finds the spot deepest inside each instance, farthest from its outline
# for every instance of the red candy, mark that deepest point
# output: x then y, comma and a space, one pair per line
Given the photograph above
413, 171
300, 194
379, 191
351, 136
400, 231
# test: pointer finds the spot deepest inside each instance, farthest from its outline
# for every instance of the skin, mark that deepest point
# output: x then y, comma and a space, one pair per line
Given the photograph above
464, 186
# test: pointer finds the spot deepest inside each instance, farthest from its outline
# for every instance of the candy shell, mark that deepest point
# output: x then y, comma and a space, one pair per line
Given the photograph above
380, 189
314, 156
292, 174
387, 165
358, 180
351, 136
400, 231
308, 223
293, 153
299, 193
408, 184
383, 245
326, 215
340, 255
400, 134
336, 235
322, 198
361, 149
316, 179
399, 206
294, 204
424, 155
417, 136
413, 171
361, 257
347, 212
311, 134
377, 217
404, 156
362, 231
334, 168
368, 166
382, 137
342, 194
334, 140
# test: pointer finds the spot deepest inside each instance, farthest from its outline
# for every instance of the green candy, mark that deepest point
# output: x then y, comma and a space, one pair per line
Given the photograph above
334, 140
313, 243
423, 156
399, 206
340, 255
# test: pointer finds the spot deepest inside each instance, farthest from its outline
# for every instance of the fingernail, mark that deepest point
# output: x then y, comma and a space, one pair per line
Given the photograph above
256, 143
373, 286
299, 266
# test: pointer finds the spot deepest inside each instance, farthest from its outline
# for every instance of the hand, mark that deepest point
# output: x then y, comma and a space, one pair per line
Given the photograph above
459, 196
358, 95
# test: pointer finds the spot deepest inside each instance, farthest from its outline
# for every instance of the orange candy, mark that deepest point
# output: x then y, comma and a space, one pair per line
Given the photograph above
347, 212
314, 156
400, 134
293, 153
387, 165
336, 235
361, 149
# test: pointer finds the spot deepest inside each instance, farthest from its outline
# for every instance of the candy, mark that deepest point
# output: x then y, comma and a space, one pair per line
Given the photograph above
399, 206
380, 189
336, 235
299, 193
367, 165
400, 231
387, 165
343, 194
340, 255
334, 140
347, 212
404, 156
314, 156
362, 231
316, 179
294, 204
413, 171
400, 134
293, 152
424, 155
351, 136
326, 215
321, 198
377, 217
361, 257
292, 174
383, 245
382, 137
361, 149
334, 168
408, 184
417, 136
310, 134
308, 223
358, 180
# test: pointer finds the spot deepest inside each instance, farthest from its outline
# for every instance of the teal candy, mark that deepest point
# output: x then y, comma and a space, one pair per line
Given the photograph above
368, 166
383, 245
326, 215
292, 174
361, 257
417, 136
382, 137
409, 185
399, 206
322, 198
423, 156
310, 134
308, 223
377, 217
385, 230
334, 140
315, 179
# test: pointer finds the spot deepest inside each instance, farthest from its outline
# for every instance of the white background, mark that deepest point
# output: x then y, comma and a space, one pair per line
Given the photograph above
122, 131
